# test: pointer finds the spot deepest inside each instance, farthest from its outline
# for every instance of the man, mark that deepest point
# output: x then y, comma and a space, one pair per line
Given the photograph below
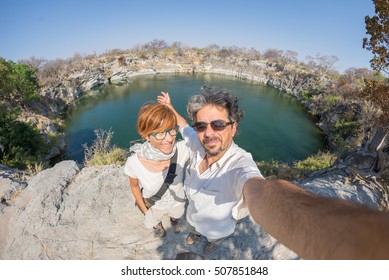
218, 169
223, 182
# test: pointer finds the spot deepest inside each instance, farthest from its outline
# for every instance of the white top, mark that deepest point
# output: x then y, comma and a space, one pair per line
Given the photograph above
151, 182
216, 196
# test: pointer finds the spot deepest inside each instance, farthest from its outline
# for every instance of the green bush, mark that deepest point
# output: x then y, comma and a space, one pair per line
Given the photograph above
305, 95
276, 169
299, 169
18, 81
315, 162
20, 143
343, 132
332, 100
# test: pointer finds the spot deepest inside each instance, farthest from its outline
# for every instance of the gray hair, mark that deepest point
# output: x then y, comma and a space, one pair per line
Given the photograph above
218, 98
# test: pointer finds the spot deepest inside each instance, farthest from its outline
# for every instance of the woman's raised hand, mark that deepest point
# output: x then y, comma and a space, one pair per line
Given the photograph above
164, 98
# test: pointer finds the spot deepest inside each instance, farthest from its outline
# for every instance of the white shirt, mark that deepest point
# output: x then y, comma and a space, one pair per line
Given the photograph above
216, 196
150, 182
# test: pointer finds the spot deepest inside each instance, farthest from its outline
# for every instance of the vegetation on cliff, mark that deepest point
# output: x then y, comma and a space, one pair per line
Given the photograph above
328, 95
20, 143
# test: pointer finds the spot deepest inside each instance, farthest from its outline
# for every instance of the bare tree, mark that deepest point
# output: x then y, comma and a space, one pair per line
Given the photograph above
253, 54
33, 62
273, 55
291, 56
322, 64
326, 62
214, 47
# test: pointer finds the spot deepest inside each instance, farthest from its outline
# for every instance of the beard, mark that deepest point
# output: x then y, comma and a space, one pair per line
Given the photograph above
214, 150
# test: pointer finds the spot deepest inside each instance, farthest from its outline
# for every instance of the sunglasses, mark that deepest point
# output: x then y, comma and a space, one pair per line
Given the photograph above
217, 125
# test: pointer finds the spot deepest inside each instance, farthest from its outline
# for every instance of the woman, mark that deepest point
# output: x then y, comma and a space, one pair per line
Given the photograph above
148, 166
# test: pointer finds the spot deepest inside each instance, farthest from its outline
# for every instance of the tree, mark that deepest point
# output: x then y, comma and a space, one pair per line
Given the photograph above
18, 83
214, 47
20, 143
26, 82
321, 63
352, 81
155, 45
376, 99
6, 83
273, 54
377, 27
377, 90
291, 57
33, 62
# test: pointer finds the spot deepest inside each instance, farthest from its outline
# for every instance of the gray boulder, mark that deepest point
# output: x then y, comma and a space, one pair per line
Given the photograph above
71, 213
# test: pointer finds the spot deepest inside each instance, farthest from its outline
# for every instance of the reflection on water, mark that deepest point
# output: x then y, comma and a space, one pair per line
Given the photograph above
275, 126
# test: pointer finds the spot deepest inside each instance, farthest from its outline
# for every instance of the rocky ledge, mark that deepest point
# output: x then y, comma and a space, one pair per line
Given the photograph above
70, 212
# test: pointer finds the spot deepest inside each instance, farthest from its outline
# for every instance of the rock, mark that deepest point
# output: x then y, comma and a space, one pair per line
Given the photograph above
118, 77
71, 213
68, 213
94, 82
360, 160
383, 161
337, 186
12, 182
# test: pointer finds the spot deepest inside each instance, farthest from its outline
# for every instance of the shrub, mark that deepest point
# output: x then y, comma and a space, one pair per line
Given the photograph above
345, 134
20, 143
332, 100
37, 167
316, 162
18, 82
305, 95
101, 152
277, 169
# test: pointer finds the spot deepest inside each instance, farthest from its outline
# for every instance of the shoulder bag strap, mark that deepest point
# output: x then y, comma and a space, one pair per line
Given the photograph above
171, 174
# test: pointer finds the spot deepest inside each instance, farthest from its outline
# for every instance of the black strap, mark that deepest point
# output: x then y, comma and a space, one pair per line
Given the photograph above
171, 174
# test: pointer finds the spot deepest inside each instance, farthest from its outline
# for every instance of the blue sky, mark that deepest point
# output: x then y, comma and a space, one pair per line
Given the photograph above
59, 29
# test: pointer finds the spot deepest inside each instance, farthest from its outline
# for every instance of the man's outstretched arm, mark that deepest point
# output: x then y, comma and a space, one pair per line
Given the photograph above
317, 227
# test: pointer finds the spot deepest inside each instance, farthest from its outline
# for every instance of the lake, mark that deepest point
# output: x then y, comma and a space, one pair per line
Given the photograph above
275, 125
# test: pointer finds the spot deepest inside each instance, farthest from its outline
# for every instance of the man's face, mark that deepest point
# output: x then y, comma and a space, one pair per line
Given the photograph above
215, 142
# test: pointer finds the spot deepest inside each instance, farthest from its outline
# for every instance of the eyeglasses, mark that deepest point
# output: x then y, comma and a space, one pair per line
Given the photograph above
217, 125
162, 134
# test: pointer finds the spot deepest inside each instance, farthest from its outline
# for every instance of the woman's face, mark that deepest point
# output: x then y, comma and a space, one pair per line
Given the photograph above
163, 140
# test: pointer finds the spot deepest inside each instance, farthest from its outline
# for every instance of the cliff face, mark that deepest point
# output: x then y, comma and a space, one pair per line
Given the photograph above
68, 212
289, 78
70, 83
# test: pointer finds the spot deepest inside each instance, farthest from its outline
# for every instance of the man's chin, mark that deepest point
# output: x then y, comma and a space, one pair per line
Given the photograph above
212, 151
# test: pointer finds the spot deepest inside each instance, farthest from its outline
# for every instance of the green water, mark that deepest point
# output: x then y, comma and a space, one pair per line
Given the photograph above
275, 126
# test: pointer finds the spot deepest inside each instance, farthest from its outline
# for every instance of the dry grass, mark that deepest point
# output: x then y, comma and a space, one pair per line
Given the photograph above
299, 169
102, 152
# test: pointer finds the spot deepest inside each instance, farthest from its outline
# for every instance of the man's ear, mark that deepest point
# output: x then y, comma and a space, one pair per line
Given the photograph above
234, 128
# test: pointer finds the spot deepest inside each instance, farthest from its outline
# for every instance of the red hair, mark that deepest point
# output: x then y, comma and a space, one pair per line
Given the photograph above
155, 117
